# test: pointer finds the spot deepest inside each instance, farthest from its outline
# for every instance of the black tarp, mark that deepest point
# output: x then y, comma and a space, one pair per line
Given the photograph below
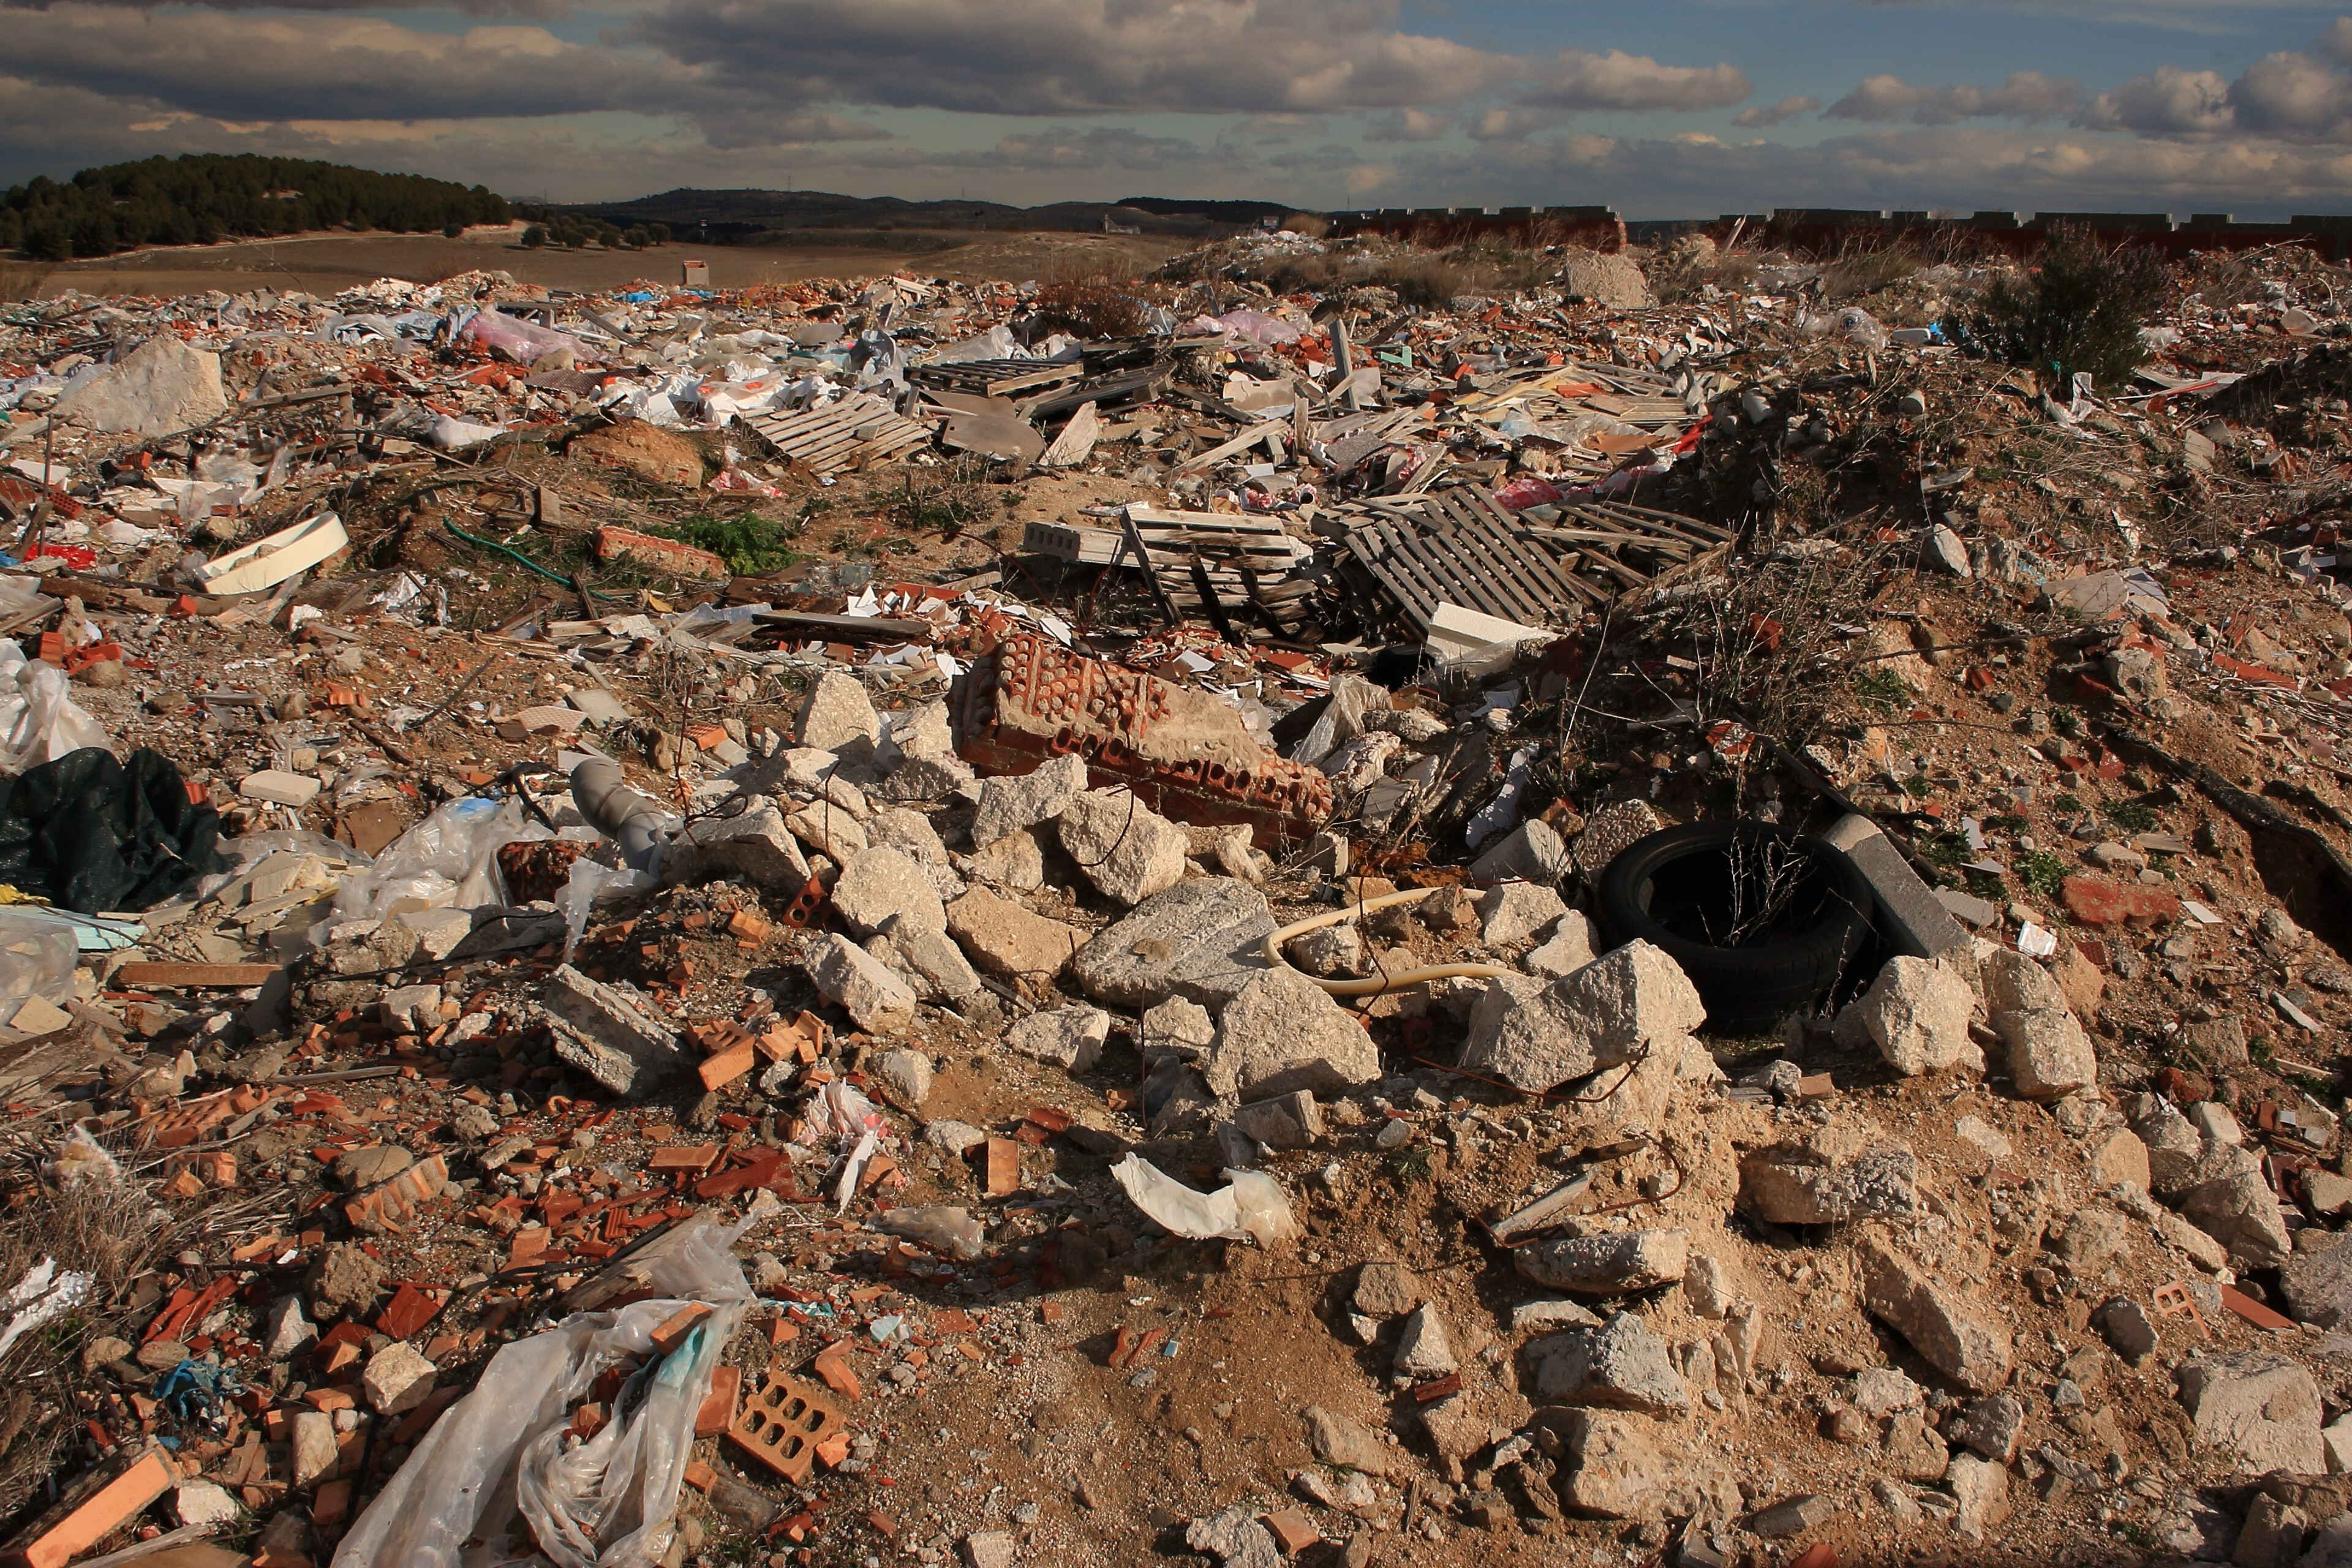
89, 833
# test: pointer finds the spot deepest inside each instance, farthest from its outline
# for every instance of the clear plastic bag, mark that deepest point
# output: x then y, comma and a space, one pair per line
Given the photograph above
449, 859
499, 1452
589, 881
39, 719
38, 953
520, 340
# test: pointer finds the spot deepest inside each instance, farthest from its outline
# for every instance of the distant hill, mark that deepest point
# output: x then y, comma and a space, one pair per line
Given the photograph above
738, 216
201, 197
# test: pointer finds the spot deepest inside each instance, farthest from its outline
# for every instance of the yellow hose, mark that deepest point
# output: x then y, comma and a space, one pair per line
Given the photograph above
1376, 985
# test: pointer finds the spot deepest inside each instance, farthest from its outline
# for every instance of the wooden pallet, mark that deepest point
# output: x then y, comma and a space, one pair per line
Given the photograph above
1457, 546
994, 377
857, 429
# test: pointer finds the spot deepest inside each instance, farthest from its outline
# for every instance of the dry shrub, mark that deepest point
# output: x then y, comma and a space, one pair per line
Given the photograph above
2080, 309
1427, 281
1864, 266
1314, 226
114, 1230
2223, 279
1091, 308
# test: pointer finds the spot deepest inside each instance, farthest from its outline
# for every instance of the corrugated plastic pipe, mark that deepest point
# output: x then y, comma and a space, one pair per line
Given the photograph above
1375, 984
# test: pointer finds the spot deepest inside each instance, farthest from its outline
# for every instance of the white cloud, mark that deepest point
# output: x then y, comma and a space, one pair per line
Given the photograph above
1410, 125
2027, 95
1061, 56
1579, 79
2292, 95
1766, 115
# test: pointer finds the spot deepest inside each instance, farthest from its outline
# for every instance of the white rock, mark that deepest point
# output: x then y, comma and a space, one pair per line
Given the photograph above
1122, 846
1069, 1038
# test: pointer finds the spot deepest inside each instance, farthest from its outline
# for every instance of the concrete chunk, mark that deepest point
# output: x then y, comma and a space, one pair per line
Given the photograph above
1069, 1038
884, 891
1916, 1014
1625, 1466
1609, 1264
607, 1034
1124, 848
836, 714
1621, 1365
1010, 939
2260, 1410
1010, 802
1283, 1033
1963, 1341
755, 847
1513, 913
1530, 852
1201, 939
1913, 919
876, 999
1612, 1011
160, 387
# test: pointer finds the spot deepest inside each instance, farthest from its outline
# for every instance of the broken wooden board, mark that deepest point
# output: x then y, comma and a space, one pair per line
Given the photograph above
856, 430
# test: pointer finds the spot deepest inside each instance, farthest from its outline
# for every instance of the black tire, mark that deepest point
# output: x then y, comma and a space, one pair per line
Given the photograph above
1747, 989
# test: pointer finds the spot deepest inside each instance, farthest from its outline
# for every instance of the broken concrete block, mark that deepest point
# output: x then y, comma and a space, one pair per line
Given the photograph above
2236, 1208
1291, 1121
1625, 1466
1964, 1343
1531, 852
1511, 913
1423, 1349
607, 1035
905, 1076
926, 777
1010, 802
1566, 951
844, 973
1826, 1182
313, 1442
1283, 1033
160, 388
2261, 1410
1017, 861
1916, 1014
1621, 1365
755, 847
1124, 848
1010, 939
1178, 1026
398, 1379
835, 714
1981, 1487
933, 957
829, 830
1534, 1037
2050, 1056
1914, 922
1203, 940
1070, 1038
882, 890
1607, 1265
278, 787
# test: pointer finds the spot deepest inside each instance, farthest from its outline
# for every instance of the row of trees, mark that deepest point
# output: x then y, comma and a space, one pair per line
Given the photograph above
574, 232
202, 198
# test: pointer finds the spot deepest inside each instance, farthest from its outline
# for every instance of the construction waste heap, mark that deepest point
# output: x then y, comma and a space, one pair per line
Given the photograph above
1665, 917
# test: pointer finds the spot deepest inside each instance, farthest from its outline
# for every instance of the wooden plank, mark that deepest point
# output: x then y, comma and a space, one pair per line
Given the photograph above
196, 976
1538, 562
1501, 573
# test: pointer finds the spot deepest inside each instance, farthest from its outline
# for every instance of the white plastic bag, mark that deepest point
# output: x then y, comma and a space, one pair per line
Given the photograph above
609, 1503
39, 719
1251, 1208
592, 881
450, 858
38, 953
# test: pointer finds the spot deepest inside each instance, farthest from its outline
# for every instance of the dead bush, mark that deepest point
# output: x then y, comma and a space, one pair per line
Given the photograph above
1426, 281
1314, 226
1862, 268
2223, 279
1091, 309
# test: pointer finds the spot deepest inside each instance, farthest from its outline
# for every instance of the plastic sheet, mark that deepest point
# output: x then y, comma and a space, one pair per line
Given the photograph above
450, 858
1252, 1207
39, 719
90, 833
498, 1452
520, 340
38, 953
589, 881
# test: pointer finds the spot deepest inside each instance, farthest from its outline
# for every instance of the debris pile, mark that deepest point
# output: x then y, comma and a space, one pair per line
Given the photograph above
896, 920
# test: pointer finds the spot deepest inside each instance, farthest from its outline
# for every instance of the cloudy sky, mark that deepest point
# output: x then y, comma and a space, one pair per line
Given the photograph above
1662, 109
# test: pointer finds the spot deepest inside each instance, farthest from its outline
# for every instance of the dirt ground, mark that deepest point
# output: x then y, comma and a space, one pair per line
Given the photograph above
325, 264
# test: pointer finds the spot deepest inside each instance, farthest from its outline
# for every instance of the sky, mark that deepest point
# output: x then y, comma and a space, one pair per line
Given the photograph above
1660, 109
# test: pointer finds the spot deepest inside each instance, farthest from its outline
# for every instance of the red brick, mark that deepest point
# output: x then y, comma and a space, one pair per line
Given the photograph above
2099, 901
